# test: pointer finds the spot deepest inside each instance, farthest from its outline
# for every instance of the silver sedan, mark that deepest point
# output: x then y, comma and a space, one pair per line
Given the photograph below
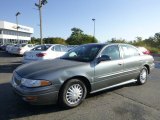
83, 70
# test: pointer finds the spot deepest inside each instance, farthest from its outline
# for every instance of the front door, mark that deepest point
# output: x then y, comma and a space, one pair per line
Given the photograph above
108, 73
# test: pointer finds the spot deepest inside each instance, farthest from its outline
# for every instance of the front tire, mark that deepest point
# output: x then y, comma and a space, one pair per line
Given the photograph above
142, 78
72, 93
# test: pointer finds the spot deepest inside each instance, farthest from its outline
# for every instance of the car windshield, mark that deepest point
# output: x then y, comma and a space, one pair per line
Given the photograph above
83, 53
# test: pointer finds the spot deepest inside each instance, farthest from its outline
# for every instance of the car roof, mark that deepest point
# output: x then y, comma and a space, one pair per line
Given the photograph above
104, 44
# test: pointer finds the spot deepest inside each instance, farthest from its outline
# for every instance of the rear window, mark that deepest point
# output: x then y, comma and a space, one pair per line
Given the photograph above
23, 45
64, 48
41, 48
30, 45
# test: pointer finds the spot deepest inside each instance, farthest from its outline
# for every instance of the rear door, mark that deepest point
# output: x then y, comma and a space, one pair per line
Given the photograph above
132, 61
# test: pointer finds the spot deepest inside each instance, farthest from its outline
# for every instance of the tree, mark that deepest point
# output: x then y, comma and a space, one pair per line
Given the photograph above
114, 40
157, 39
77, 37
34, 41
55, 40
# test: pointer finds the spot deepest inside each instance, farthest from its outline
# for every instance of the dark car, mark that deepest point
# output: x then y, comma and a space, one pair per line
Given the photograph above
83, 70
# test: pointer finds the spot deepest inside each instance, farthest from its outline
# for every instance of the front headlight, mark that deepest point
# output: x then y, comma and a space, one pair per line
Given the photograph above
35, 83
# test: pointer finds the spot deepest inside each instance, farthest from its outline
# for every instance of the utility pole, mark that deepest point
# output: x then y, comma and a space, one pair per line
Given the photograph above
94, 27
18, 13
41, 3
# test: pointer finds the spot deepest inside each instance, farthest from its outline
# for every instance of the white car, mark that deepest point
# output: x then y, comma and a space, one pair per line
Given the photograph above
43, 52
20, 49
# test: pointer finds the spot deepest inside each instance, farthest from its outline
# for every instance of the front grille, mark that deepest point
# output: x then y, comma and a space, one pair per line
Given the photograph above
17, 79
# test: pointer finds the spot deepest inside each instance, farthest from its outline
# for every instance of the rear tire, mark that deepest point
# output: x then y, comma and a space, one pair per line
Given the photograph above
72, 93
142, 78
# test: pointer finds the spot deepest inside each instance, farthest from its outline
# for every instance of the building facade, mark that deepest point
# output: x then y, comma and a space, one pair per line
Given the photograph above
9, 34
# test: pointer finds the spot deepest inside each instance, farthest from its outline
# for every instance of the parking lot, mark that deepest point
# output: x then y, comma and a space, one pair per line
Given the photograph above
129, 102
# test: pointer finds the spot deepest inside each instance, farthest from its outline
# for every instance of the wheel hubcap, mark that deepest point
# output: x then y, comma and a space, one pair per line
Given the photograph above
74, 94
143, 76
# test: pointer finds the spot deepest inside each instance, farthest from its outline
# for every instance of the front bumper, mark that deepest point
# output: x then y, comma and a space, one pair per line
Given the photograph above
37, 96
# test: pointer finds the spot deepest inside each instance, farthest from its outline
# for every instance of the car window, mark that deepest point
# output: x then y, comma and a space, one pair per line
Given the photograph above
57, 48
30, 45
112, 51
129, 51
41, 48
22, 45
63, 48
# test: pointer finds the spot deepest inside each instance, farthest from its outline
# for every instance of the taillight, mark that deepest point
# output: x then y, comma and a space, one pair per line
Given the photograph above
40, 54
147, 52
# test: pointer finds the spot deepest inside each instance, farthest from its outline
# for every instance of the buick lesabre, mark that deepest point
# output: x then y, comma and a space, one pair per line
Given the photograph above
84, 70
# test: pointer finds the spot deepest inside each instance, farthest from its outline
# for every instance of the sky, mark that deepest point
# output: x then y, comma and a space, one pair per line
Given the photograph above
121, 19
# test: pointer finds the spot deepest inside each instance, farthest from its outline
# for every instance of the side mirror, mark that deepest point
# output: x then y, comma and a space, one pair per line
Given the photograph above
104, 58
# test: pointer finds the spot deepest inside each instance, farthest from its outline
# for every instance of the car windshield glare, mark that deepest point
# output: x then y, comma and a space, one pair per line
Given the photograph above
83, 53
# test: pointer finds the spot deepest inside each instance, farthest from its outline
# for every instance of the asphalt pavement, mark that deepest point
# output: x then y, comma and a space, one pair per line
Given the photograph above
129, 102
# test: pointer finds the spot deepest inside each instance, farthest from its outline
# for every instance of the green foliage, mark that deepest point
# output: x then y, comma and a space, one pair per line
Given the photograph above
114, 40
152, 43
55, 40
78, 37
34, 41
152, 49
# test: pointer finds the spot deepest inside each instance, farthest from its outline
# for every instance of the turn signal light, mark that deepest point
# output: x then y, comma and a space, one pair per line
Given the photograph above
30, 98
45, 83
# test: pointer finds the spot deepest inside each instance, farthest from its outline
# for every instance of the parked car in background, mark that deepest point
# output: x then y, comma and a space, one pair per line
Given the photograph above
85, 69
44, 52
144, 50
10, 47
3, 47
20, 49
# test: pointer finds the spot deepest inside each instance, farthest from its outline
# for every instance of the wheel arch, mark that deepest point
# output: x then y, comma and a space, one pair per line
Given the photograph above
81, 78
148, 68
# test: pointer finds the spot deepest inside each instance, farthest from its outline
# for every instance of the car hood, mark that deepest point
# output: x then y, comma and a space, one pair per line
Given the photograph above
31, 70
